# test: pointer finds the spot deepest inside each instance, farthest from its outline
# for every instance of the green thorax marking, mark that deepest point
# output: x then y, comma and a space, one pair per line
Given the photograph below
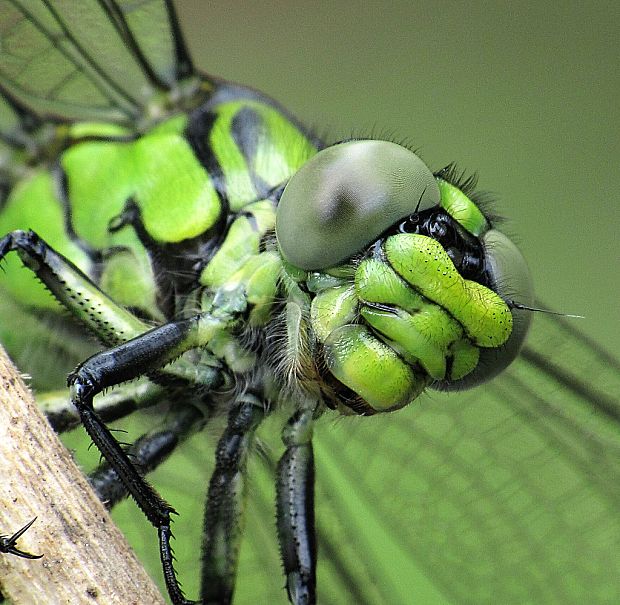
179, 196
257, 148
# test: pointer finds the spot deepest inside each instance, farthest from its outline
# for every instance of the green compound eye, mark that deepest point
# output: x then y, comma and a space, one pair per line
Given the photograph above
345, 197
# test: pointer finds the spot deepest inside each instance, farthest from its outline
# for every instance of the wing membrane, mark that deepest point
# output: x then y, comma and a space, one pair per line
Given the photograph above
504, 494
507, 494
10, 121
93, 60
154, 31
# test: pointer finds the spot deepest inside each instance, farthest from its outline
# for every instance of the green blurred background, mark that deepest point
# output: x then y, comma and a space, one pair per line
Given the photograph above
526, 94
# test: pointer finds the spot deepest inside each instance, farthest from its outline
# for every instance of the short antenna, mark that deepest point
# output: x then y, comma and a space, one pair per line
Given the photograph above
516, 305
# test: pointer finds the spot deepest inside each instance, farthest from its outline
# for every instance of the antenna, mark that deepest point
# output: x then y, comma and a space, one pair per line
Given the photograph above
516, 305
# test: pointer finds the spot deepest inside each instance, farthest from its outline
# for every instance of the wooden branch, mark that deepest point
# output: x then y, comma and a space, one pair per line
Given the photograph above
86, 557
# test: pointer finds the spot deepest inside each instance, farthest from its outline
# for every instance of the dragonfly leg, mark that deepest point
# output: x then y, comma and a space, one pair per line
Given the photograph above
8, 543
75, 291
117, 404
295, 509
145, 354
147, 452
223, 520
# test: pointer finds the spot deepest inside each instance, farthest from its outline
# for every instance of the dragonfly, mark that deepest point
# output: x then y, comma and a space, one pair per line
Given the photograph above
488, 497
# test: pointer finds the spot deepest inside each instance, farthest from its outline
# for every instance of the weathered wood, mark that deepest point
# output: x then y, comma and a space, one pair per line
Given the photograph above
86, 557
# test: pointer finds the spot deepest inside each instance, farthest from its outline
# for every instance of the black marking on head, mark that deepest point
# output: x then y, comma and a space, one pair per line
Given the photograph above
465, 250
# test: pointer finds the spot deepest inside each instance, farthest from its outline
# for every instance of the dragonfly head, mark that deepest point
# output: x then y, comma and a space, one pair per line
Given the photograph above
412, 283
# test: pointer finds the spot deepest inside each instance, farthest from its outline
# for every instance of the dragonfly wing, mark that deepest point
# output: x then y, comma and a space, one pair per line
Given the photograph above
504, 494
104, 61
507, 494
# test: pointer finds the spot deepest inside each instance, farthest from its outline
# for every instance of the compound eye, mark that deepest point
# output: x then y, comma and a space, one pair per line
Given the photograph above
512, 280
344, 197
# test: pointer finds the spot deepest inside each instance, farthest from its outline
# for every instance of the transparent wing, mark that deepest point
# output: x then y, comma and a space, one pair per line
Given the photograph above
9, 122
509, 493
96, 59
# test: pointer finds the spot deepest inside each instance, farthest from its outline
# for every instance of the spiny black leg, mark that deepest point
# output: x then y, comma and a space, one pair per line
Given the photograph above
7, 544
295, 509
155, 509
147, 453
145, 353
225, 502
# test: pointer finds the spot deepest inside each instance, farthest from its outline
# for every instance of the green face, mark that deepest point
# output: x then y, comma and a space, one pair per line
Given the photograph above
428, 282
